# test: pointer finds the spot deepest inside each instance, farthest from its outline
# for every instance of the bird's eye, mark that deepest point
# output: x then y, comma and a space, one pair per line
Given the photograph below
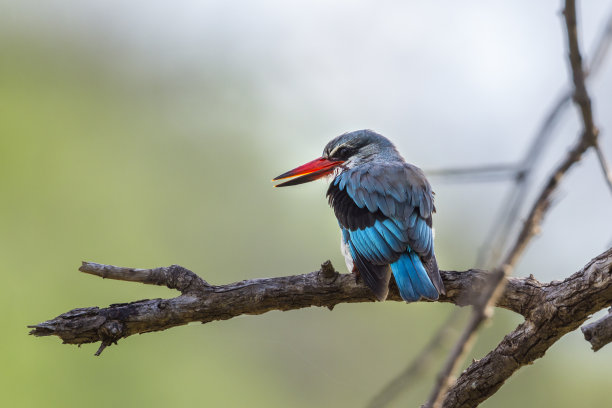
342, 152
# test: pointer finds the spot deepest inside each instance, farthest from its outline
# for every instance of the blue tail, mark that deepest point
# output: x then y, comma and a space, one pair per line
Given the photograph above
411, 278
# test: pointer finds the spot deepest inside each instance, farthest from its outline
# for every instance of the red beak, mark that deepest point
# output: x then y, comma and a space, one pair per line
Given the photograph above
310, 171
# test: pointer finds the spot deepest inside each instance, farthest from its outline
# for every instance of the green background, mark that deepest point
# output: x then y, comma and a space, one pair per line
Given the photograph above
99, 164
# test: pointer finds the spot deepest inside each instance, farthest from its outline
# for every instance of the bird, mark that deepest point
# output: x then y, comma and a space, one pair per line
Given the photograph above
384, 208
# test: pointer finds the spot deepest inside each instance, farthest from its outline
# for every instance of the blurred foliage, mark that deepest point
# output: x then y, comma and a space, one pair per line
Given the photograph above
128, 169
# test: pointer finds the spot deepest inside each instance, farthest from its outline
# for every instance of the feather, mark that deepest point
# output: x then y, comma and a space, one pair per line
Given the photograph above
384, 210
371, 200
423, 284
390, 207
381, 203
411, 221
376, 277
363, 247
347, 212
412, 279
383, 250
431, 266
394, 190
342, 179
393, 241
400, 233
354, 176
366, 183
401, 272
378, 185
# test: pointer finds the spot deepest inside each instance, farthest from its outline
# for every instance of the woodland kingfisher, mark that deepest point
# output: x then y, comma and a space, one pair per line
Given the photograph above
384, 208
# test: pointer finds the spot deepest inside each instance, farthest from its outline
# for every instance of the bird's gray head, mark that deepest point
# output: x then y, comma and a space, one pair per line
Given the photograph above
360, 146
344, 152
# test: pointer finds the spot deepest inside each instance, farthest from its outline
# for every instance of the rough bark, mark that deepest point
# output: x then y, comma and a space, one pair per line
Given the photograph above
202, 302
550, 309
557, 309
587, 140
599, 333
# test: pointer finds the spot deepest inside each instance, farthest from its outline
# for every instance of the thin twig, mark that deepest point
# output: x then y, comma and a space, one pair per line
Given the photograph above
605, 168
536, 215
531, 226
522, 173
581, 96
497, 237
600, 52
492, 172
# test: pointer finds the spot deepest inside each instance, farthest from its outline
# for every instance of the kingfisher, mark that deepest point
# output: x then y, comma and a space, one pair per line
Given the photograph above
384, 208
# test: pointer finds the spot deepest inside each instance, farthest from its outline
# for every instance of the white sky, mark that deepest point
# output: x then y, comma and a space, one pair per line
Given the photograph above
452, 83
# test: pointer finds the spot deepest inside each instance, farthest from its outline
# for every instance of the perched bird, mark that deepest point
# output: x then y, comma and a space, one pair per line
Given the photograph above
384, 207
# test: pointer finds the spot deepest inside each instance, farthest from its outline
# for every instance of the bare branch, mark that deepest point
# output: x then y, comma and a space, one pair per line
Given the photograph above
508, 216
563, 307
522, 172
581, 96
492, 172
534, 220
529, 230
173, 277
600, 51
599, 333
605, 168
550, 309
497, 237
531, 226
206, 303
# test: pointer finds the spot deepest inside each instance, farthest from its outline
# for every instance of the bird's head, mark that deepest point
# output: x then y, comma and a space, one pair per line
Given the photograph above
341, 153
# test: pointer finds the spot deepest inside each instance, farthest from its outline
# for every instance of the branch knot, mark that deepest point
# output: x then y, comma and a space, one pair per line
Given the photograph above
184, 280
327, 272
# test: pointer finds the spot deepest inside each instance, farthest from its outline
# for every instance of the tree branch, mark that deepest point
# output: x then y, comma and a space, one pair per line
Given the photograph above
581, 96
173, 277
605, 168
532, 224
522, 172
599, 333
561, 307
202, 302
551, 310
481, 311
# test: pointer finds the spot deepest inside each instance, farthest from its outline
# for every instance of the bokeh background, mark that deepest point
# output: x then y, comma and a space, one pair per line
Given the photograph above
145, 133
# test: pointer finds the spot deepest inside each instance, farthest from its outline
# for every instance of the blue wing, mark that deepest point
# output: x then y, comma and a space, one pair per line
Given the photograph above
385, 216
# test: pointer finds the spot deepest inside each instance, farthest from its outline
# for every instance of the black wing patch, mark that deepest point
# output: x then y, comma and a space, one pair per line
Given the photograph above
349, 215
376, 277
